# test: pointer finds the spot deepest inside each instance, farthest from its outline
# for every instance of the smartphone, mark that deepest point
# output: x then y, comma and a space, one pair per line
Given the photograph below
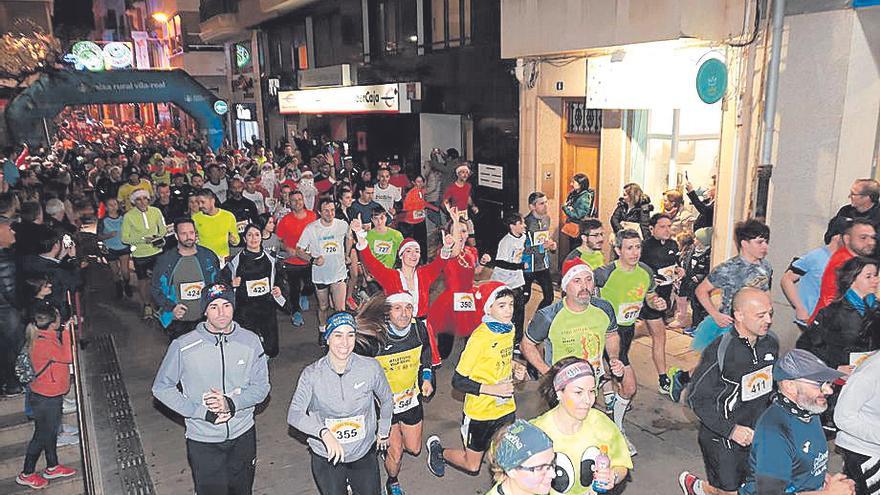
66, 241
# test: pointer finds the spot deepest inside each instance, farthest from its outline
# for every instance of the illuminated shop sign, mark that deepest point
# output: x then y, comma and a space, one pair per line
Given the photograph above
378, 98
101, 56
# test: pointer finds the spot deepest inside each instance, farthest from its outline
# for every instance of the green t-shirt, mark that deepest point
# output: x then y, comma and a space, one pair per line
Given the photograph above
566, 333
384, 246
594, 259
625, 290
575, 452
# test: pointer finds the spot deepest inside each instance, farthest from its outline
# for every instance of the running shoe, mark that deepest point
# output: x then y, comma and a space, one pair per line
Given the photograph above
678, 384
610, 399
35, 481
436, 463
69, 406
689, 331
690, 484
665, 388
297, 319
148, 312
70, 429
65, 439
629, 445
304, 303
394, 489
59, 471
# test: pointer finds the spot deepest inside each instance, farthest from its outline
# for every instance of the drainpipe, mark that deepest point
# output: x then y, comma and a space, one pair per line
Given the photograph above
765, 169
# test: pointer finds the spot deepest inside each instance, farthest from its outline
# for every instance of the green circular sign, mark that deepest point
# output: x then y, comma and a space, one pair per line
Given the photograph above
712, 80
221, 107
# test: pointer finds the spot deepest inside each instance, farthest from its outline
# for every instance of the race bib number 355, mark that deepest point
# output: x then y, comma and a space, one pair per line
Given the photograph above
347, 430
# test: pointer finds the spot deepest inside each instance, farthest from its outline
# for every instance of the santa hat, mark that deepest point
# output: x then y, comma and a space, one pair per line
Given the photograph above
407, 243
572, 268
399, 297
486, 293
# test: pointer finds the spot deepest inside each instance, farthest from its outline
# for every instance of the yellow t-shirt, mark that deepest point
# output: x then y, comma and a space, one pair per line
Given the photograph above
486, 359
214, 231
583, 447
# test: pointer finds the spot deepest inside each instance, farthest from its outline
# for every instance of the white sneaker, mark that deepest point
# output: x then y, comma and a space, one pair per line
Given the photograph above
65, 439
629, 445
69, 406
70, 429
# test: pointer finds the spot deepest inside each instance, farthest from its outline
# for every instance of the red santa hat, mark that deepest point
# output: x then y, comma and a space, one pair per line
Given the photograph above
572, 268
486, 293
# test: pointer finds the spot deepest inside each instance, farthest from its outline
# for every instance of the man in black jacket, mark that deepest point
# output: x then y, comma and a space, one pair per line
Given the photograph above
11, 328
730, 389
57, 263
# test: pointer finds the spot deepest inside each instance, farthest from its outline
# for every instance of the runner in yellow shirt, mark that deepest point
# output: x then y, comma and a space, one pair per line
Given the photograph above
216, 227
485, 374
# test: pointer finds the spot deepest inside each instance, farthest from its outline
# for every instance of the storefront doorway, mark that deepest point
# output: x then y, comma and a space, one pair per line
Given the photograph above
580, 146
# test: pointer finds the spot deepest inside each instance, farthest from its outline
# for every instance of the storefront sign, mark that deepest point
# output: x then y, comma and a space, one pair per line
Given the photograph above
379, 98
490, 176
242, 56
711, 80
88, 55
221, 107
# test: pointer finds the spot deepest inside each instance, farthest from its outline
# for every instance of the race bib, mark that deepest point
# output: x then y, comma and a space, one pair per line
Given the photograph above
330, 247
241, 225
191, 291
628, 313
667, 275
757, 383
540, 237
347, 430
418, 214
256, 288
857, 358
406, 400
382, 247
463, 301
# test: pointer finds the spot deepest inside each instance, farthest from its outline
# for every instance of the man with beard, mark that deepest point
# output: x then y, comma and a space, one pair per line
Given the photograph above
244, 209
178, 280
579, 325
789, 450
859, 239
731, 388
592, 238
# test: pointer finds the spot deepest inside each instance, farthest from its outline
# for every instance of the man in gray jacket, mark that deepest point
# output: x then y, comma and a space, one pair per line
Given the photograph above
218, 407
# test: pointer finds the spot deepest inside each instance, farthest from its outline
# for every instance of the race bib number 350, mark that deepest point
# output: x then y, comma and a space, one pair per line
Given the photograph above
347, 430
463, 301
757, 383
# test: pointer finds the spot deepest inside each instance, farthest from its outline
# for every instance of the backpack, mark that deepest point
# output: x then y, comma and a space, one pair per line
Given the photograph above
726, 339
24, 367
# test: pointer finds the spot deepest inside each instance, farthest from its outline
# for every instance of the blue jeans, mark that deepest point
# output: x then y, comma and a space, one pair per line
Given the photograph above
707, 331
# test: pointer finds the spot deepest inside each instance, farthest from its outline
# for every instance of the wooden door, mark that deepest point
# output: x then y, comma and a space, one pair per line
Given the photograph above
580, 155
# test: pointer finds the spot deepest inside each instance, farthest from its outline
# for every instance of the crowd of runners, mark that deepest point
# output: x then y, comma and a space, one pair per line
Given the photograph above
217, 245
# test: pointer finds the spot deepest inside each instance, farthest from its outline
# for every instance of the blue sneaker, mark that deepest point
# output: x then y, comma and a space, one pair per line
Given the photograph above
304, 303
689, 331
436, 463
678, 385
394, 489
297, 319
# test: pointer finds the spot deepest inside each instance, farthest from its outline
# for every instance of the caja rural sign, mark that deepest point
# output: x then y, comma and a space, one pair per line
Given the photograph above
378, 98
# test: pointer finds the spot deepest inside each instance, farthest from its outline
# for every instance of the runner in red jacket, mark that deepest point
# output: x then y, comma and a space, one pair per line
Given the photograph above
410, 277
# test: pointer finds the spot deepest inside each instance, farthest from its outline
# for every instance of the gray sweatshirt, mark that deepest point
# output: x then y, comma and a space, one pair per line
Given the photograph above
857, 412
233, 363
345, 404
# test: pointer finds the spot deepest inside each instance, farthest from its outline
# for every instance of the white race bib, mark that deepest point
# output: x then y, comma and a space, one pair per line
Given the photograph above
256, 288
240, 226
463, 301
668, 274
330, 247
406, 400
347, 430
628, 313
191, 291
857, 358
382, 247
757, 383
418, 214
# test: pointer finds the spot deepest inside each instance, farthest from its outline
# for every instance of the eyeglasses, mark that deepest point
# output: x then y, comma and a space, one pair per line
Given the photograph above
851, 194
821, 385
540, 468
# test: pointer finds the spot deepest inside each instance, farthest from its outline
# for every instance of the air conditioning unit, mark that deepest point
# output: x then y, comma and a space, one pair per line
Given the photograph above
334, 75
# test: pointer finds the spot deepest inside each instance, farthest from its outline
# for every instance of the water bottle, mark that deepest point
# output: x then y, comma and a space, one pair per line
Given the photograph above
602, 462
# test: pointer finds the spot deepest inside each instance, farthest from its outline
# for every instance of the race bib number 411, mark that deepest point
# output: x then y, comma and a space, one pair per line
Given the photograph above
757, 383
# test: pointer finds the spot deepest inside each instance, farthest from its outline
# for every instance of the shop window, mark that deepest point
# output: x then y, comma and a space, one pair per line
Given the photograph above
175, 36
450, 23
396, 26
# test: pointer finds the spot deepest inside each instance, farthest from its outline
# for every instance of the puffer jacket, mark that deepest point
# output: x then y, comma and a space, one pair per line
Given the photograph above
639, 214
839, 330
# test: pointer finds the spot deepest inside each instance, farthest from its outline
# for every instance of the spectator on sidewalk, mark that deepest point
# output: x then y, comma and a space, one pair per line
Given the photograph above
11, 327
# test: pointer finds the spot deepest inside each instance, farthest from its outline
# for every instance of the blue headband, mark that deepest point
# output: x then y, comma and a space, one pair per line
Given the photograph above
336, 320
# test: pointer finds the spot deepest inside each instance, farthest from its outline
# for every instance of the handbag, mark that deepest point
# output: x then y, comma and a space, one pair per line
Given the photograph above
571, 229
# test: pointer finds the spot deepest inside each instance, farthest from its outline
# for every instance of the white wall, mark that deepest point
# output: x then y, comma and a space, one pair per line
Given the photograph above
829, 96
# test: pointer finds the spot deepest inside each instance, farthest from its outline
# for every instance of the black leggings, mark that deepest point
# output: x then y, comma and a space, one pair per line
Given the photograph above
47, 419
544, 282
261, 318
361, 475
299, 278
224, 468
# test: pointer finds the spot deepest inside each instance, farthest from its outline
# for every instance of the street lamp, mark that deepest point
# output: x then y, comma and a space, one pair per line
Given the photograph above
160, 17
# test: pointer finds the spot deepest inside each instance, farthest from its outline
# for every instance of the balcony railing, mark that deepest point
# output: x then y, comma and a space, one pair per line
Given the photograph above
211, 8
